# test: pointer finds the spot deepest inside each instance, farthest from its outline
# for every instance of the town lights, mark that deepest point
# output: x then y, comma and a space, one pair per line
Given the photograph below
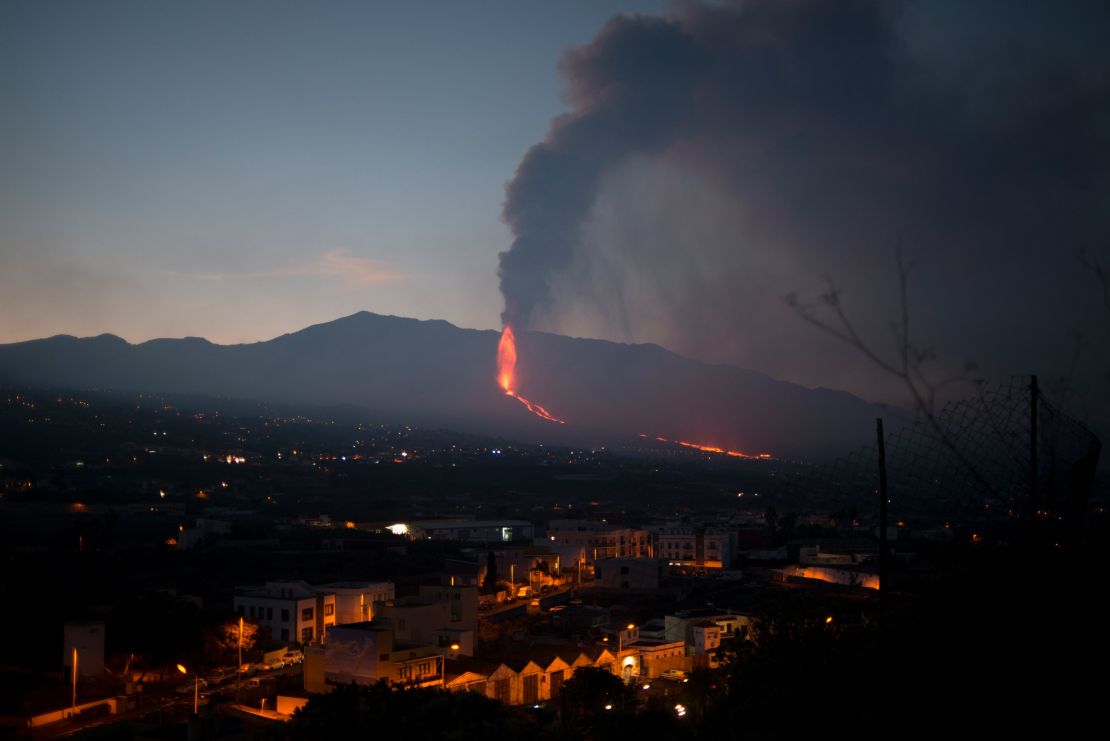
680, 710
608, 707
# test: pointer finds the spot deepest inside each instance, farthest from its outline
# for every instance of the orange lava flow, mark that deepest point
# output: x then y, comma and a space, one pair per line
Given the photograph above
506, 376
715, 449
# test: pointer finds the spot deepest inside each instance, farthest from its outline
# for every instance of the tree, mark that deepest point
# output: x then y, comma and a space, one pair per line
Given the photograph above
591, 689
490, 582
223, 640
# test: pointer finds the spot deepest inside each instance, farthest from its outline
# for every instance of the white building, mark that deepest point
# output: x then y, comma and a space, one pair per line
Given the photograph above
297, 611
690, 546
365, 653
354, 601
598, 540
706, 636
690, 627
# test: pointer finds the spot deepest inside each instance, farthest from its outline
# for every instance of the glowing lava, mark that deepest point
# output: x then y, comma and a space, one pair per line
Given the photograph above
506, 375
714, 449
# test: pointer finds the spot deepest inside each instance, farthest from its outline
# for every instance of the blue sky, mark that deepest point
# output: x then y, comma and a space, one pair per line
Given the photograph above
236, 170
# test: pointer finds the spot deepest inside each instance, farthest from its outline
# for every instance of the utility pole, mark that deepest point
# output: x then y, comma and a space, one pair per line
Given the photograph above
1034, 398
73, 698
883, 496
239, 669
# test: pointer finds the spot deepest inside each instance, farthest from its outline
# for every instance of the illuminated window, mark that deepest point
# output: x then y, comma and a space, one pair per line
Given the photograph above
329, 610
306, 614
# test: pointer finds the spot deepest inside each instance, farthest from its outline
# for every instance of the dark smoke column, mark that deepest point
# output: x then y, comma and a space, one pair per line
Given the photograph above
629, 90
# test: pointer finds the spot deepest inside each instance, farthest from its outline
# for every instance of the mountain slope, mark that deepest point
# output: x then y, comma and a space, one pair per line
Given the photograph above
431, 372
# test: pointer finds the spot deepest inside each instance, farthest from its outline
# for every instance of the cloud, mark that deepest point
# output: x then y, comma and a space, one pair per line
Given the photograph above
722, 155
338, 265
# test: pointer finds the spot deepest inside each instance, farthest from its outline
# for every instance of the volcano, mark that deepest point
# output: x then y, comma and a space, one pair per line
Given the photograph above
432, 373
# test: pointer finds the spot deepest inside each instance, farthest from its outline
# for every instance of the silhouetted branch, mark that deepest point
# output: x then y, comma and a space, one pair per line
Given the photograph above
909, 362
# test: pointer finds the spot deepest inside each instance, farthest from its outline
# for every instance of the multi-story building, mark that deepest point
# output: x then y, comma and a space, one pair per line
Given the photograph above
474, 531
367, 652
690, 627
445, 615
691, 546
297, 611
354, 601
597, 540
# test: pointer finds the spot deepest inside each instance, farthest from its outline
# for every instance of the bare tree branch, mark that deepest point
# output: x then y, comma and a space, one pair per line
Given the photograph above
909, 366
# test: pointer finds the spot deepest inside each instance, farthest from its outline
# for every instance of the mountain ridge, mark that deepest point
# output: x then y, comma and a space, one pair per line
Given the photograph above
433, 372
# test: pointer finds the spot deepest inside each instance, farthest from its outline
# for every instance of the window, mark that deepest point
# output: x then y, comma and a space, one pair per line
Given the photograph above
501, 690
269, 613
285, 634
285, 615
306, 635
306, 614
329, 609
240, 609
252, 611
624, 571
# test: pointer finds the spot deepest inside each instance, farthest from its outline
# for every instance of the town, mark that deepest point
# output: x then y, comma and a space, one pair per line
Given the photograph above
225, 568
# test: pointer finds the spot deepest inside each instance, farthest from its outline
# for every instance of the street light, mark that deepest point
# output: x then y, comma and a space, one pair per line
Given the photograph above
73, 704
196, 688
620, 639
239, 669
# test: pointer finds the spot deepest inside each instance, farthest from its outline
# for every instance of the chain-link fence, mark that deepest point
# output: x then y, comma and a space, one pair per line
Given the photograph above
973, 460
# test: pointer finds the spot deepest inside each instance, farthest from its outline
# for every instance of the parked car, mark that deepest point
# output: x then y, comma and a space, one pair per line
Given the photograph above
248, 670
187, 688
253, 682
221, 675
675, 675
271, 664
293, 657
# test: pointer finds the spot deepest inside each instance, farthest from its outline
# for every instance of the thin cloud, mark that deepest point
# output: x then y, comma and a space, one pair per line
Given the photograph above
337, 265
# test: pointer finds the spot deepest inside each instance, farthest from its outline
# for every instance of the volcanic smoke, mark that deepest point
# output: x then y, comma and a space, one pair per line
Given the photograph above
506, 375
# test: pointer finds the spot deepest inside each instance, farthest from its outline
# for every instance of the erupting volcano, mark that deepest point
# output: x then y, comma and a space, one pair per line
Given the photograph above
506, 375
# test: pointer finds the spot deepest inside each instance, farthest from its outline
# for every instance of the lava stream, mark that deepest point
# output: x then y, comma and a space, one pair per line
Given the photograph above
506, 376
714, 449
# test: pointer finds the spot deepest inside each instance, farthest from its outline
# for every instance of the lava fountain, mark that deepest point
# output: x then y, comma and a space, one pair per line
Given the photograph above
506, 375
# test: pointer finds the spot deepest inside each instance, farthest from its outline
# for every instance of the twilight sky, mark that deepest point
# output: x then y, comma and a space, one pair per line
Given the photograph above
236, 170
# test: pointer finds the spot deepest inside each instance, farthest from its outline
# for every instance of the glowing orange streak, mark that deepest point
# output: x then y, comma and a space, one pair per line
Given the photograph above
506, 375
536, 409
714, 449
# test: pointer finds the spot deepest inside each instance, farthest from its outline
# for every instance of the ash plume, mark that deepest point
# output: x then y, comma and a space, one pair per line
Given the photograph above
717, 157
